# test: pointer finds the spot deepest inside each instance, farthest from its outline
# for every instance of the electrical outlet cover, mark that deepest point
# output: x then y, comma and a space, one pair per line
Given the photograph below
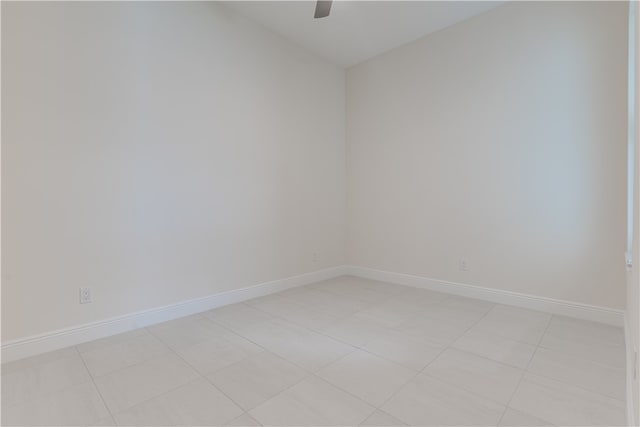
85, 295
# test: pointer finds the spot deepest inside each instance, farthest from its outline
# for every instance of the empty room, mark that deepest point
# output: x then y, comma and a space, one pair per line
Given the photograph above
320, 213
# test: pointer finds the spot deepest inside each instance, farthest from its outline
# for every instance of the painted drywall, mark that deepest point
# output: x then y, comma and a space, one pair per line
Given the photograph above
501, 141
158, 152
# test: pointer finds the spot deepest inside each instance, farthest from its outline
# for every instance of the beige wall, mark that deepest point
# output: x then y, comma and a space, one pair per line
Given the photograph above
158, 152
502, 141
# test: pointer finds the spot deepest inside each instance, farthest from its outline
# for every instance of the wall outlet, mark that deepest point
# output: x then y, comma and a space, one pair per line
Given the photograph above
85, 295
464, 265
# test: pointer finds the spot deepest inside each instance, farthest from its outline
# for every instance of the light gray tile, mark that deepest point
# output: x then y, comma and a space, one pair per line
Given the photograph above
105, 422
312, 402
111, 340
36, 377
438, 331
256, 379
197, 403
513, 323
339, 284
77, 405
454, 312
297, 313
388, 314
486, 378
603, 353
585, 331
217, 353
579, 372
132, 385
244, 420
313, 351
419, 297
597, 342
38, 360
104, 359
187, 331
303, 347
407, 351
503, 350
359, 289
427, 401
476, 306
325, 301
516, 418
366, 376
381, 419
237, 315
354, 330
563, 404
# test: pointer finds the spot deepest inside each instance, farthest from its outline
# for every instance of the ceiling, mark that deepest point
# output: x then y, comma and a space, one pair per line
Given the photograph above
358, 30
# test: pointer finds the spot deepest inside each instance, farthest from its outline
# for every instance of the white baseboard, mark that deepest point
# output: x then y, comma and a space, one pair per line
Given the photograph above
33, 345
37, 344
566, 308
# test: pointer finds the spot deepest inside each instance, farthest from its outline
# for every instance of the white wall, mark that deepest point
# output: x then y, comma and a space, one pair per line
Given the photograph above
159, 152
500, 140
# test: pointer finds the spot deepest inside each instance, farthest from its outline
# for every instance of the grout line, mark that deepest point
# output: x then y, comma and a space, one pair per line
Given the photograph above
200, 377
104, 402
427, 365
525, 370
307, 372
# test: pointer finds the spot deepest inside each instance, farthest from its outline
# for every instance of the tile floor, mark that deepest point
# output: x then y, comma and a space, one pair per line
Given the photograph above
347, 352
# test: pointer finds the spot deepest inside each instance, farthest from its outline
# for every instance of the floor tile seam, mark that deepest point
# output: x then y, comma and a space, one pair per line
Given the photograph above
271, 351
450, 346
565, 353
387, 329
374, 406
169, 351
284, 358
200, 375
559, 380
324, 380
166, 351
248, 411
48, 394
369, 305
526, 370
349, 297
315, 375
505, 337
445, 348
465, 389
210, 382
604, 343
102, 399
420, 372
280, 317
469, 352
309, 305
155, 396
88, 379
322, 331
116, 342
605, 396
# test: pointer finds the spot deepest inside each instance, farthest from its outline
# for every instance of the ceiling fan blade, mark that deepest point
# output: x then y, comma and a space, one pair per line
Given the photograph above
322, 8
